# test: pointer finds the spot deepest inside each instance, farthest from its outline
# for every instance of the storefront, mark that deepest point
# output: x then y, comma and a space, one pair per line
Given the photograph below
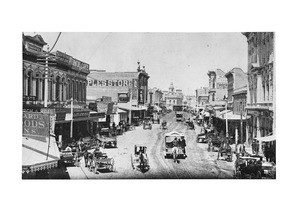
39, 148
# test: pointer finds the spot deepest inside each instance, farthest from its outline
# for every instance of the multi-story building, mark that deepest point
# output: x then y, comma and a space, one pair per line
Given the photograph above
66, 79
202, 97
155, 96
261, 84
173, 97
217, 87
236, 79
119, 86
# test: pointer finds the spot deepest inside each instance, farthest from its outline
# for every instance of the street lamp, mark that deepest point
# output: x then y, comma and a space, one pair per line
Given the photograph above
226, 103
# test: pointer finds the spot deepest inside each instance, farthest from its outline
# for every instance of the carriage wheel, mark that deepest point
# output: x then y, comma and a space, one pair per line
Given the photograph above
258, 175
95, 169
252, 176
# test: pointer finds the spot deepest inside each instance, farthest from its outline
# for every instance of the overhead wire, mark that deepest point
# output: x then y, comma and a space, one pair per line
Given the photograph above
93, 54
55, 41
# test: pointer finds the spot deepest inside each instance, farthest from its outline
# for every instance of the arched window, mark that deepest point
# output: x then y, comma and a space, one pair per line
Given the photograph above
37, 88
57, 89
29, 83
73, 90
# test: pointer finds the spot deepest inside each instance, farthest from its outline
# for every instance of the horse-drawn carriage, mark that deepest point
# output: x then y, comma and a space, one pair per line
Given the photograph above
214, 142
155, 118
110, 142
147, 123
190, 125
173, 146
139, 159
71, 155
201, 137
98, 160
248, 167
225, 152
164, 125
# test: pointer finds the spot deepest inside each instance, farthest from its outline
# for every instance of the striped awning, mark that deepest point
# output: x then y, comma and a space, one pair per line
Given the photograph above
39, 155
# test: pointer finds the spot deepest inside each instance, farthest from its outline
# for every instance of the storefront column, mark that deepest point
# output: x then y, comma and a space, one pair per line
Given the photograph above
259, 89
40, 97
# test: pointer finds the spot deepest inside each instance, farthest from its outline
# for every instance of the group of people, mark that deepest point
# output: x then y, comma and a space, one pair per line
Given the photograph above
178, 142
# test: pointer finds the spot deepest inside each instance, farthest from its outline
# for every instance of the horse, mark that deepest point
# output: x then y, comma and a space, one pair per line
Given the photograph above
175, 152
225, 148
142, 160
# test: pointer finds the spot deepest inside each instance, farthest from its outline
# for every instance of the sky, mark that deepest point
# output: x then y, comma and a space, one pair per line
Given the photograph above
181, 58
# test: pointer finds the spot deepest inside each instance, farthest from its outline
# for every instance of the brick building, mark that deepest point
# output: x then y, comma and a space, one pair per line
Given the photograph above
118, 86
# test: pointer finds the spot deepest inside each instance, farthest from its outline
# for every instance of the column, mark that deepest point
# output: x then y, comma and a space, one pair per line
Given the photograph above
259, 88
54, 91
40, 89
64, 92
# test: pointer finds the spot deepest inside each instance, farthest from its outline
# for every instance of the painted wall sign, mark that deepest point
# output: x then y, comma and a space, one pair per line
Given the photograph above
112, 82
36, 125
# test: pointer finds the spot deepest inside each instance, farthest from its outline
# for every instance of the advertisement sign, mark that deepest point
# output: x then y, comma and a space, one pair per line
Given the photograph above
71, 62
36, 125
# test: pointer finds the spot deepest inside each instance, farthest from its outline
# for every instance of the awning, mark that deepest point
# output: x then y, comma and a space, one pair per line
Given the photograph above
121, 111
126, 106
231, 116
39, 155
266, 138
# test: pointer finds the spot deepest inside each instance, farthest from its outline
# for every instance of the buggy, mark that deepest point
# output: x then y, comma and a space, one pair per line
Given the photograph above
164, 125
214, 142
226, 152
108, 142
155, 118
139, 159
100, 161
190, 125
147, 123
248, 167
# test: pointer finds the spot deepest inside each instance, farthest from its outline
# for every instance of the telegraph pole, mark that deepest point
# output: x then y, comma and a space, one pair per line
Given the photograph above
46, 78
227, 135
241, 123
71, 127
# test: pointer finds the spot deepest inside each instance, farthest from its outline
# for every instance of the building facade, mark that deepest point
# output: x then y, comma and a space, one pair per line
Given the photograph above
118, 86
173, 97
261, 84
236, 79
217, 87
66, 78
155, 96
202, 97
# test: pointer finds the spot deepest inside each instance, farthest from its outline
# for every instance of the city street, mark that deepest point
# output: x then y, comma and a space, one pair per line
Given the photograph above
199, 162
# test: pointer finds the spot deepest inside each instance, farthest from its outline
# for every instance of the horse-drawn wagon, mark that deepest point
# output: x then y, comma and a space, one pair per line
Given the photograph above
147, 123
225, 152
248, 167
214, 142
164, 125
98, 160
173, 146
110, 142
139, 159
155, 118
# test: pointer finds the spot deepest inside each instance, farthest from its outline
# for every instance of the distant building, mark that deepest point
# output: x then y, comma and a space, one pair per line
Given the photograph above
155, 96
173, 97
236, 79
261, 84
202, 97
217, 87
118, 86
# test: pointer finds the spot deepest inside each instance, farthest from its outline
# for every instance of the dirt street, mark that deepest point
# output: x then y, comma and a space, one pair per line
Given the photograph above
199, 162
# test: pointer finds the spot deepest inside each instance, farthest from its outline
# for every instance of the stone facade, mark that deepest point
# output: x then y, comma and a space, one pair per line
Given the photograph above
217, 86
261, 84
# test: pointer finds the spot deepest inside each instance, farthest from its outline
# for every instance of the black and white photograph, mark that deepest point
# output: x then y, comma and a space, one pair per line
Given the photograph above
149, 105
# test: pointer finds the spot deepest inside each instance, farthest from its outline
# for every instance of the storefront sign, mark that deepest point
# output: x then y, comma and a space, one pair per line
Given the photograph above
32, 47
112, 82
71, 62
29, 98
80, 114
36, 125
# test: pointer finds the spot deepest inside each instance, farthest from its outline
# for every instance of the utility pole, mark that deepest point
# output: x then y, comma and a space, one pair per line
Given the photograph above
241, 104
130, 101
46, 78
227, 135
71, 127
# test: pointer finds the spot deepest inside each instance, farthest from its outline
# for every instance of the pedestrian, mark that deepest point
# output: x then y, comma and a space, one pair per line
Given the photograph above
183, 145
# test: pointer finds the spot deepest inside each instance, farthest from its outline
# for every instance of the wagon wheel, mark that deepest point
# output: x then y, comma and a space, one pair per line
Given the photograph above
111, 166
258, 175
96, 168
252, 176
